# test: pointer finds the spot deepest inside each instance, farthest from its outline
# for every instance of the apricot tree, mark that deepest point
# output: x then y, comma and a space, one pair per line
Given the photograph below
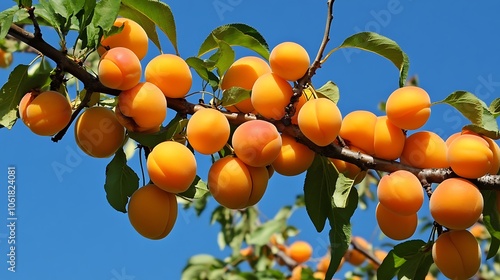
255, 115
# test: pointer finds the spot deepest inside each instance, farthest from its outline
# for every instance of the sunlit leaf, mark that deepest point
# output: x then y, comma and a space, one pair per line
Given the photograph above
495, 107
202, 69
264, 232
121, 182
6, 19
223, 57
330, 91
234, 95
196, 190
406, 259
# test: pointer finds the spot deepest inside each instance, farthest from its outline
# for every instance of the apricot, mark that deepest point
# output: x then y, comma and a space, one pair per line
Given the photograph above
320, 120
132, 37
171, 74
324, 263
243, 73
98, 132
294, 157
46, 113
389, 140
171, 166
289, 60
380, 255
236, 185
354, 256
401, 192
408, 107
387, 221
425, 149
495, 162
300, 251
358, 129
208, 131
456, 203
141, 108
119, 68
457, 254
479, 231
5, 58
350, 170
470, 156
270, 95
257, 143
152, 211
306, 95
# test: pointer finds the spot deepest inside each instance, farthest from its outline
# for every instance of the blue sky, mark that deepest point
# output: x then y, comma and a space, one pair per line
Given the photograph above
67, 230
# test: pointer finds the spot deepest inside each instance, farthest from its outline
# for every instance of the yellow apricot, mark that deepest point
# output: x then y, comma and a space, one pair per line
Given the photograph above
5, 59
350, 170
304, 97
408, 107
289, 60
425, 149
320, 120
243, 73
386, 219
98, 132
208, 131
171, 74
257, 143
141, 108
300, 251
119, 68
171, 166
235, 185
456, 203
294, 157
389, 140
457, 254
152, 211
132, 37
470, 156
401, 192
358, 129
270, 95
46, 113
495, 162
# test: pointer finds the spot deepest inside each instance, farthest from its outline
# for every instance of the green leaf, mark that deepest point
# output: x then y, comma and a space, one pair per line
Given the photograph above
405, 259
493, 134
236, 35
176, 125
25, 3
20, 82
121, 181
154, 13
495, 107
224, 56
318, 190
330, 91
473, 108
202, 69
196, 190
383, 46
6, 19
416, 267
204, 259
491, 220
343, 187
340, 231
104, 16
263, 233
234, 95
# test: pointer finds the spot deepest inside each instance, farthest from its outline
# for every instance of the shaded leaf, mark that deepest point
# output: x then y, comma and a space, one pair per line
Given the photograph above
330, 91
196, 190
236, 35
176, 125
493, 134
405, 260
264, 232
202, 69
121, 181
491, 220
234, 95
383, 46
25, 3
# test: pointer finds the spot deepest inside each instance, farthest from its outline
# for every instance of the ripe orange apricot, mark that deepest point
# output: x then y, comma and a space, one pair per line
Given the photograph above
141, 108
425, 149
270, 95
171, 166
479, 231
456, 203
171, 74
46, 113
119, 68
98, 132
350, 170
358, 129
470, 156
401, 192
289, 60
408, 107
152, 211
294, 157
5, 59
389, 140
300, 251
320, 120
236, 185
306, 95
495, 162
208, 131
457, 254
257, 143
386, 219
355, 257
132, 37
243, 73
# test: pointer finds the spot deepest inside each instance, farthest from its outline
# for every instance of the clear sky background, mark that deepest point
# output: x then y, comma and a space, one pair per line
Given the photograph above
67, 230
